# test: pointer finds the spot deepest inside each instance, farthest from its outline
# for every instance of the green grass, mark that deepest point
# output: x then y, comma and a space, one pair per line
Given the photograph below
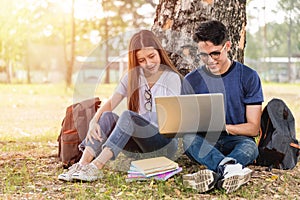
30, 123
34, 111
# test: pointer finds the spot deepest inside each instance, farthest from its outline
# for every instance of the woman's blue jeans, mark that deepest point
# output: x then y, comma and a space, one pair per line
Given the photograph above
133, 135
210, 152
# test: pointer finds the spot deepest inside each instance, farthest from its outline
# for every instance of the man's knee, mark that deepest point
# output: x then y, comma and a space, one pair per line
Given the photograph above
187, 141
249, 150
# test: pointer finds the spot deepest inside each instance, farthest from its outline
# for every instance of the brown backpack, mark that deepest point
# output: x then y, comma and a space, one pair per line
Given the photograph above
74, 128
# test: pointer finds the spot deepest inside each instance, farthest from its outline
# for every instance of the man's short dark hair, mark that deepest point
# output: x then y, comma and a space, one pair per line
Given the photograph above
213, 31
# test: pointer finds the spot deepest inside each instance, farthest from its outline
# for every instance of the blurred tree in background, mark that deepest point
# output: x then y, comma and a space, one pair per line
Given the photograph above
36, 35
277, 40
25, 24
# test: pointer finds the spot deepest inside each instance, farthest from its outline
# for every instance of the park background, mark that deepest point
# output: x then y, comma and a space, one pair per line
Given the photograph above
41, 39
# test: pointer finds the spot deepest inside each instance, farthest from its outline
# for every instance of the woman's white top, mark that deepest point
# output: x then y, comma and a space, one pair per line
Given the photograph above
168, 84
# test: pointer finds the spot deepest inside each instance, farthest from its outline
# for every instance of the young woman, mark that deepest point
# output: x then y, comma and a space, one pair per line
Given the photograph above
150, 73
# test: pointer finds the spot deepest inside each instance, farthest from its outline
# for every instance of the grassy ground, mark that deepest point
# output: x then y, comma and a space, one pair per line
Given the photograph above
29, 125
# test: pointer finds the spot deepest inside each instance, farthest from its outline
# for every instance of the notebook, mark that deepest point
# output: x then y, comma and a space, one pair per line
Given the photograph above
190, 114
137, 176
153, 166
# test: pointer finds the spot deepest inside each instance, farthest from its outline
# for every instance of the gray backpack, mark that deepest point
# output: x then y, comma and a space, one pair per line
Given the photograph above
278, 146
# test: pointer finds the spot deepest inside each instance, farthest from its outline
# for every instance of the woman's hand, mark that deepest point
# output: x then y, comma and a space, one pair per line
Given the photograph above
94, 132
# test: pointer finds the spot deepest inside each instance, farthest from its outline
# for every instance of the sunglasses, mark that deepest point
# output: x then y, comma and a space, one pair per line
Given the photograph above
148, 97
214, 55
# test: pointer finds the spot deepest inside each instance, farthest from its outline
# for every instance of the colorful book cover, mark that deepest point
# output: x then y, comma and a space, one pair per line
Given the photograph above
167, 175
154, 172
153, 166
133, 176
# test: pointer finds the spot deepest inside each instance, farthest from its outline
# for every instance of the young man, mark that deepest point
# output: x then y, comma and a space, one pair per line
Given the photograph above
225, 154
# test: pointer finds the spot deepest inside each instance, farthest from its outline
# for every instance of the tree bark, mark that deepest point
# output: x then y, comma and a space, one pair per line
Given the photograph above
176, 21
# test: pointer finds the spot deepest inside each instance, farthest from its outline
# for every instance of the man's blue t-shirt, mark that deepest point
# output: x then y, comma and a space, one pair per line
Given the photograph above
240, 86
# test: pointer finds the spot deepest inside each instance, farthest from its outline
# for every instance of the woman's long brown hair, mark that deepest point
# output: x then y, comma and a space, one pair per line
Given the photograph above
139, 41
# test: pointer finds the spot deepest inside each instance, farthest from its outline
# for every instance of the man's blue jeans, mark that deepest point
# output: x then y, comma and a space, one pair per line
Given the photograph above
133, 135
219, 147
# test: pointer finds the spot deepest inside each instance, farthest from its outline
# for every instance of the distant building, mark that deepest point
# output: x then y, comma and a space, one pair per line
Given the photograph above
277, 69
93, 70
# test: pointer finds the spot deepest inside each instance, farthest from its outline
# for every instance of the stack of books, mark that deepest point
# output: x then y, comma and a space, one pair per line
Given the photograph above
158, 168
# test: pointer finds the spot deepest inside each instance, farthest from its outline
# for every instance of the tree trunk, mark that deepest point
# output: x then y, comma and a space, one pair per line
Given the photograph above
70, 62
176, 21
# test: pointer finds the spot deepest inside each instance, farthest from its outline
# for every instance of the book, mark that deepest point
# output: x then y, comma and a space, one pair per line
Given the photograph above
134, 170
165, 176
161, 177
153, 166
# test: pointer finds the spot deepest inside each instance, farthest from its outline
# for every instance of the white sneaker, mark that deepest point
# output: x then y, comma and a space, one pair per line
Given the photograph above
234, 176
67, 176
202, 181
88, 173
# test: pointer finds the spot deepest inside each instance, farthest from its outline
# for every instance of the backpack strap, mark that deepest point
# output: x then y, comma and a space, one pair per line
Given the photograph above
263, 135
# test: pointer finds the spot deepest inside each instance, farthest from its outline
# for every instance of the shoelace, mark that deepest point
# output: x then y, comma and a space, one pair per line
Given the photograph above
89, 170
74, 168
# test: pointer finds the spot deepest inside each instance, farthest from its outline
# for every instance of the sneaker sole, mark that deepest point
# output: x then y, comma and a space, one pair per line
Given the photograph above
62, 178
77, 178
233, 183
67, 176
202, 181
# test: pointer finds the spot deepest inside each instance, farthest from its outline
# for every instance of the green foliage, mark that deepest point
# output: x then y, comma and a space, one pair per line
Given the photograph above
49, 22
272, 40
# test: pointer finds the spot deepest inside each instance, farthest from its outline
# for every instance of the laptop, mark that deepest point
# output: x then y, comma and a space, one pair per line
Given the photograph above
194, 113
